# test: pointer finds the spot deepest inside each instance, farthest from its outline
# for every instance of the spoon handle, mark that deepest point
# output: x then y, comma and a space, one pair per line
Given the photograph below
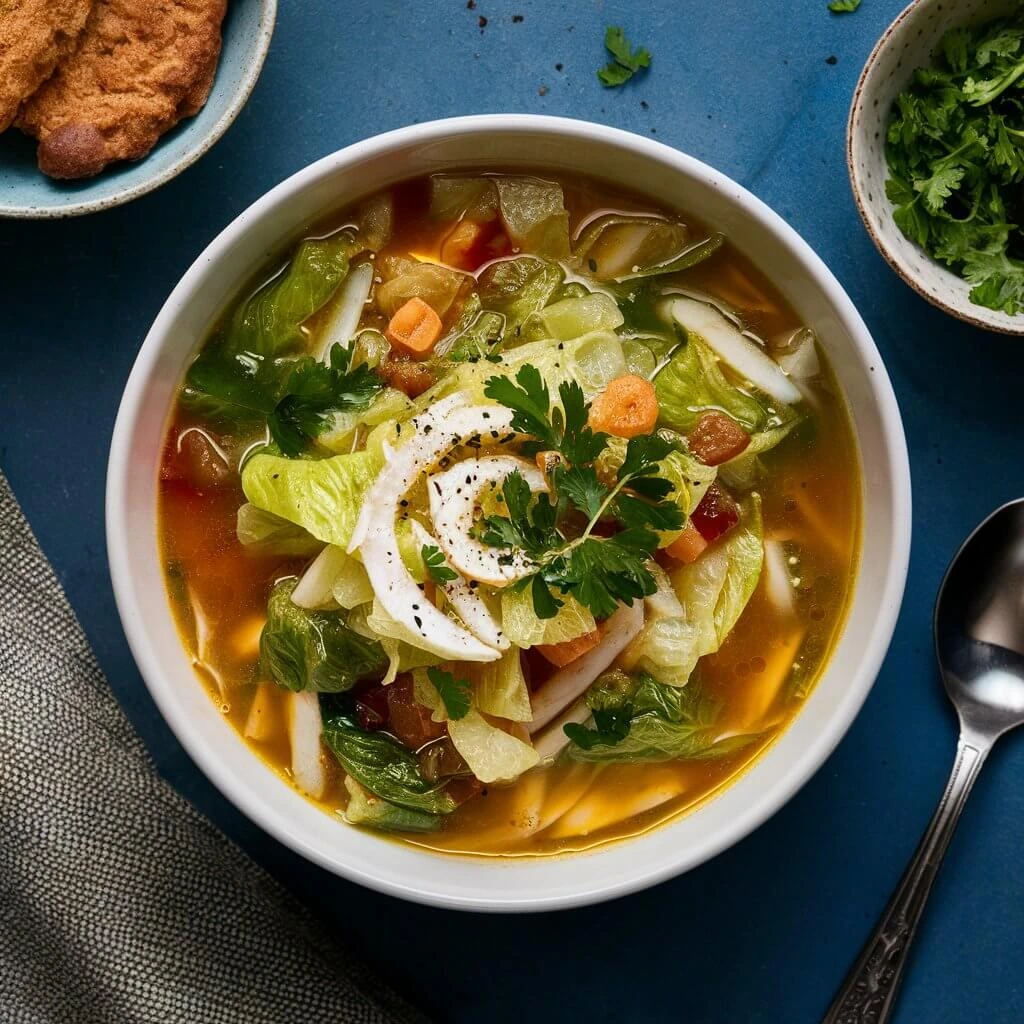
868, 994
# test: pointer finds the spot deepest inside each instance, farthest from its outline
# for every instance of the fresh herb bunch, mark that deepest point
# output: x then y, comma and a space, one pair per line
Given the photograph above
599, 571
955, 150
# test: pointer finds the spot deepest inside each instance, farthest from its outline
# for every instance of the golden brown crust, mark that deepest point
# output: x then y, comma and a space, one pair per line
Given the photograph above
140, 67
34, 36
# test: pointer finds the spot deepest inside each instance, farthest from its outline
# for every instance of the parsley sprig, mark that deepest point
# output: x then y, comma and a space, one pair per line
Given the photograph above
599, 571
437, 568
955, 149
626, 61
454, 692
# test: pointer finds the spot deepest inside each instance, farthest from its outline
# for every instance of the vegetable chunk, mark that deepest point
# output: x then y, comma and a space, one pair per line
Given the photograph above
626, 408
414, 329
717, 438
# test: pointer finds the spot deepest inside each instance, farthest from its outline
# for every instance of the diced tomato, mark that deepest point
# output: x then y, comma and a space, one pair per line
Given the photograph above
716, 514
408, 720
407, 376
717, 438
372, 708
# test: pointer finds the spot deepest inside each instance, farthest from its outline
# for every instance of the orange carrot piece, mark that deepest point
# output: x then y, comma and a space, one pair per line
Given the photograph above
626, 408
688, 546
458, 246
414, 329
569, 650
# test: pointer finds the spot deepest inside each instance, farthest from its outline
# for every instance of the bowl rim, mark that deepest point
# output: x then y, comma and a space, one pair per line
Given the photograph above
254, 60
839, 716
887, 254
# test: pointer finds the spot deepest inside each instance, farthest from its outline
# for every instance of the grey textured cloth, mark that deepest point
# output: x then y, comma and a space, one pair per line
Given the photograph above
118, 901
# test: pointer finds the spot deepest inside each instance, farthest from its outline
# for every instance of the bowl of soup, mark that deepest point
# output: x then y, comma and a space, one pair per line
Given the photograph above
508, 512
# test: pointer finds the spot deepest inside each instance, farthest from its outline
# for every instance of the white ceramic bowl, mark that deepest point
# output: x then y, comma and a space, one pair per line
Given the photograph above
505, 141
907, 45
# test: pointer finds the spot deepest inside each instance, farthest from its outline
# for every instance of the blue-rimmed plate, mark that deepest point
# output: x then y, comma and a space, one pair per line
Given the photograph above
26, 192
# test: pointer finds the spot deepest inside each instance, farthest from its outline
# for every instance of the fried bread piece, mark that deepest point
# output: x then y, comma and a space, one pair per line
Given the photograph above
35, 35
141, 66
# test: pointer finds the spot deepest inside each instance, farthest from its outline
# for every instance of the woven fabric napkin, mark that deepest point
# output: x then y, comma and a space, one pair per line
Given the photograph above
118, 901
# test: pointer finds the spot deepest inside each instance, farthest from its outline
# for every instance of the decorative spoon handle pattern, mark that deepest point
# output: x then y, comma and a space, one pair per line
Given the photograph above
868, 994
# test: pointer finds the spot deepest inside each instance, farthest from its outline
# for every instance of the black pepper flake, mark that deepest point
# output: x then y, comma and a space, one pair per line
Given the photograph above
415, 607
517, 19
418, 621
833, 60
643, 104
398, 428
482, 22
558, 67
470, 5
404, 503
486, 415
473, 584
592, 263
469, 480
542, 90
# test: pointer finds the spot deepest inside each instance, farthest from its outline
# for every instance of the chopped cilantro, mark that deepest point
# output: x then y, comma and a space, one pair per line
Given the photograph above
955, 150
627, 61
843, 6
611, 726
455, 693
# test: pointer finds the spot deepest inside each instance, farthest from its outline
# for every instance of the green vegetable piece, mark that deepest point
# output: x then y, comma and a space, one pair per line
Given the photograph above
384, 767
313, 650
843, 6
364, 808
627, 61
455, 693
323, 495
611, 727
263, 532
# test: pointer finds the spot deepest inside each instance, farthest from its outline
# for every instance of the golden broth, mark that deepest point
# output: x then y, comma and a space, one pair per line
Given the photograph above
811, 503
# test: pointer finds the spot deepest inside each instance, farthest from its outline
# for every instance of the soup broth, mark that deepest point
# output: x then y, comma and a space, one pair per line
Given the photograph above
750, 687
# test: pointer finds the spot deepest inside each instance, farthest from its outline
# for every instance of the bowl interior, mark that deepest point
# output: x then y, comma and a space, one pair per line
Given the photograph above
907, 45
26, 192
504, 140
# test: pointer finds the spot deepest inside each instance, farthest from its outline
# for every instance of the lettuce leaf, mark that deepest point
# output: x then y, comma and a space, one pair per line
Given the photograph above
321, 495
712, 593
384, 767
265, 533
692, 382
572, 318
524, 629
406, 279
534, 214
367, 809
666, 723
492, 754
519, 289
313, 650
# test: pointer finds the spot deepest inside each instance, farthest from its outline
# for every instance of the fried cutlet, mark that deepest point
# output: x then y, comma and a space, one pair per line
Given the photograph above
35, 35
140, 67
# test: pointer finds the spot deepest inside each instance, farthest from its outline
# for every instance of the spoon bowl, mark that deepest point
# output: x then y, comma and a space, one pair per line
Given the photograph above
979, 643
979, 625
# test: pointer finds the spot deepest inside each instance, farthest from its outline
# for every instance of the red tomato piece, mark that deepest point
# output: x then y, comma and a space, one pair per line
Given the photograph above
717, 438
716, 514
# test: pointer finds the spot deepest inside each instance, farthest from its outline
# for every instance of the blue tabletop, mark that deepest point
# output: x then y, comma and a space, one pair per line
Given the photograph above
761, 91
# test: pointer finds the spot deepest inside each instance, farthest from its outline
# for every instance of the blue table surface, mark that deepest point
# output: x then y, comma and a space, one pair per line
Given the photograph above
766, 930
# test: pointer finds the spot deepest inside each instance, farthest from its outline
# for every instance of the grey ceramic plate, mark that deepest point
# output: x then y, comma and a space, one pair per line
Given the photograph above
26, 192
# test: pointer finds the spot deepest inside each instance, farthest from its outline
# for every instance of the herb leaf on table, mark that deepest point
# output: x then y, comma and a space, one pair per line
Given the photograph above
627, 61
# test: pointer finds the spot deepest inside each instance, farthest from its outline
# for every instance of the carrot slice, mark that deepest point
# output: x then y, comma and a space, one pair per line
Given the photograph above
688, 546
569, 650
414, 329
626, 408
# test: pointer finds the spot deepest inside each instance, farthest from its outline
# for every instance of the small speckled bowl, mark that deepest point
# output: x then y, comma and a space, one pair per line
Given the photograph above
26, 192
908, 44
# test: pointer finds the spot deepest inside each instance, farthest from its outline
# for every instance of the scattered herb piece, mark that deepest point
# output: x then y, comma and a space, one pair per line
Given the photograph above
627, 61
955, 150
611, 727
313, 392
455, 693
843, 6
437, 568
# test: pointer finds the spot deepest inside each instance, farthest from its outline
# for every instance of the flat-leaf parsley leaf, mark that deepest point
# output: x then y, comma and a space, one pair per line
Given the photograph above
627, 61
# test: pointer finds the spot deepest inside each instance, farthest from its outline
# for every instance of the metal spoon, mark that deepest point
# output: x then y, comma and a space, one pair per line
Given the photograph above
979, 641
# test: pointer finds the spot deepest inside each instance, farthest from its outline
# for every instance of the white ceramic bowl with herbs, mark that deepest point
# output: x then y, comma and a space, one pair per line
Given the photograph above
953, 224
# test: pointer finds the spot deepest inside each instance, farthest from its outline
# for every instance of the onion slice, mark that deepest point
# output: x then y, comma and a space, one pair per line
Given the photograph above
572, 681
742, 354
341, 327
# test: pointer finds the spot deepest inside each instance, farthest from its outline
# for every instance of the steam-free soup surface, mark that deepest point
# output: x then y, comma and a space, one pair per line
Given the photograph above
740, 696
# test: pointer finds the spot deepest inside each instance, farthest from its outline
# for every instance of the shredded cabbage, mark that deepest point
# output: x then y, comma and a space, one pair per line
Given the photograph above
571, 318
405, 279
262, 531
524, 629
492, 754
390, 404
323, 496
